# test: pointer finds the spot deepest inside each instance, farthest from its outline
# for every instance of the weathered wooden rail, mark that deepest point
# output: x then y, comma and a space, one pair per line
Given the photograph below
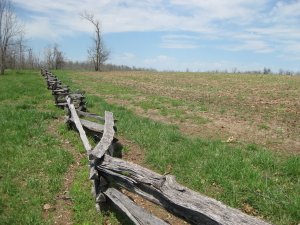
108, 173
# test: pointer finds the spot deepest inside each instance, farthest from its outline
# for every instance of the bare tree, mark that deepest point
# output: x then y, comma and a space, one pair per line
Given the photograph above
53, 57
48, 57
16, 54
97, 53
21, 51
267, 71
30, 59
58, 56
10, 29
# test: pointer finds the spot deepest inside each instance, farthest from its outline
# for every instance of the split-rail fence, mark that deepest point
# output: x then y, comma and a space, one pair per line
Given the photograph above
109, 173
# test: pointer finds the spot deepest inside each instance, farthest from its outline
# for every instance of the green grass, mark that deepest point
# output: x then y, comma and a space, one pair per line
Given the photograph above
247, 174
32, 163
84, 204
268, 182
263, 126
84, 210
174, 109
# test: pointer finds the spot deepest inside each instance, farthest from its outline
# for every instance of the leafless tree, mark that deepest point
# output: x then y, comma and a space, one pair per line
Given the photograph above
21, 51
30, 59
16, 54
58, 57
97, 53
54, 58
48, 57
10, 29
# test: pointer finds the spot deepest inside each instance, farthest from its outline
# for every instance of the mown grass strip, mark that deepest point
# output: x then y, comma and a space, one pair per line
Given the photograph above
83, 207
250, 178
32, 163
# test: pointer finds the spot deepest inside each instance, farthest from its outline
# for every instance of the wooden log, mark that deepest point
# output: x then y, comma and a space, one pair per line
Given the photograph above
56, 94
52, 79
60, 90
76, 96
90, 115
60, 94
90, 126
107, 137
135, 213
93, 173
79, 127
194, 207
100, 198
60, 98
62, 86
61, 105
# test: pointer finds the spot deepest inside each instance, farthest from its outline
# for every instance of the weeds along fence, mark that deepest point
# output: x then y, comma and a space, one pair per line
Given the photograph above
109, 173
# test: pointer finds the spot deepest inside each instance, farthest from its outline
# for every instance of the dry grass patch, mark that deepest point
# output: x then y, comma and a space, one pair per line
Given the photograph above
262, 109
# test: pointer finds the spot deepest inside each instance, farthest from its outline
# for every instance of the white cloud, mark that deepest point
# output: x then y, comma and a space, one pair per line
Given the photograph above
260, 26
125, 57
41, 28
160, 60
285, 12
171, 63
242, 10
193, 15
180, 41
120, 16
205, 65
253, 45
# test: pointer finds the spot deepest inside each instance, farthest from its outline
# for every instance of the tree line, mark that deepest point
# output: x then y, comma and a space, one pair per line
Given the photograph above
13, 51
15, 54
11, 35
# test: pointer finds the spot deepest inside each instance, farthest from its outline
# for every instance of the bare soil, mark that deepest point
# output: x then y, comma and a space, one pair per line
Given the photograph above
259, 109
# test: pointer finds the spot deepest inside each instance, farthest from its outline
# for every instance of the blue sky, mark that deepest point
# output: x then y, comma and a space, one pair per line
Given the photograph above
172, 34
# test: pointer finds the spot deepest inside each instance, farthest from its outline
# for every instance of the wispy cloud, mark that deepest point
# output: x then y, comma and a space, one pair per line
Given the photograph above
163, 62
249, 42
120, 16
258, 26
180, 41
41, 28
237, 11
285, 12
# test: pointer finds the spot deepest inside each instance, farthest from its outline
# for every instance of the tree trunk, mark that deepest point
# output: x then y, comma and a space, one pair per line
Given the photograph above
2, 67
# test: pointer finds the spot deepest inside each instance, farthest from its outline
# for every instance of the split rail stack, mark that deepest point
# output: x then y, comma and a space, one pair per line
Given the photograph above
109, 174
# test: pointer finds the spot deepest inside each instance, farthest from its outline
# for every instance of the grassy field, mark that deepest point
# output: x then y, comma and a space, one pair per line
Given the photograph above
177, 123
32, 163
182, 122
36, 150
249, 108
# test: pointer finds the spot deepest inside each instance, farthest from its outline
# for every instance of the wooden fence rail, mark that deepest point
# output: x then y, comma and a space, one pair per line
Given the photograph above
108, 173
